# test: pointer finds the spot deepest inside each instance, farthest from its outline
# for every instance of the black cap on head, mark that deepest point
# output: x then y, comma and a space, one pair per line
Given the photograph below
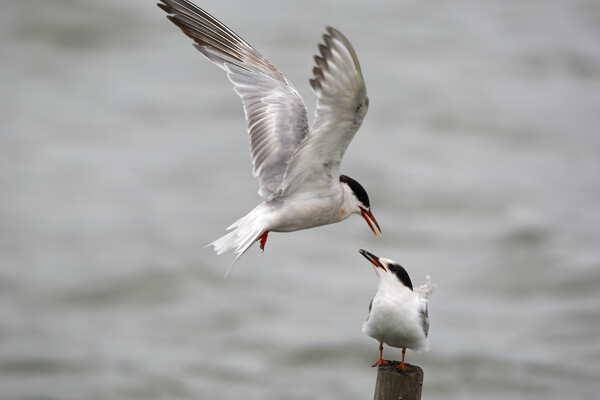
359, 191
401, 273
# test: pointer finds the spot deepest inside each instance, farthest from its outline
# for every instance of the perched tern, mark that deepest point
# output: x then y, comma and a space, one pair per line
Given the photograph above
298, 168
398, 312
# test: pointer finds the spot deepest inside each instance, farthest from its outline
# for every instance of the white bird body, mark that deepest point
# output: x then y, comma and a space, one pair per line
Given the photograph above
398, 314
396, 317
281, 214
286, 214
298, 168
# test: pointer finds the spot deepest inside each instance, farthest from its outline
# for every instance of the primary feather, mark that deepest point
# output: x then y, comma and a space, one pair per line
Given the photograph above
276, 114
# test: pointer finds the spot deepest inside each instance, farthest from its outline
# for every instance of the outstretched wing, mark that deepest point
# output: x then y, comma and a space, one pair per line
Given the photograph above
341, 107
276, 113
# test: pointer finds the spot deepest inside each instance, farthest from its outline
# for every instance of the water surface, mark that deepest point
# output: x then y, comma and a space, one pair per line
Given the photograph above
123, 153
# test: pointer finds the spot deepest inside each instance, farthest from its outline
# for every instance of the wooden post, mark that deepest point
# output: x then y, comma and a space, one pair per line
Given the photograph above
395, 384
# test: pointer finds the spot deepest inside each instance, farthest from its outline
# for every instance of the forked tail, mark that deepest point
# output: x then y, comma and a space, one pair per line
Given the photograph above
244, 232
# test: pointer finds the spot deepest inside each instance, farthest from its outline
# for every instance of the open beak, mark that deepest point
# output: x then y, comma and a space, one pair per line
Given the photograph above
368, 216
373, 259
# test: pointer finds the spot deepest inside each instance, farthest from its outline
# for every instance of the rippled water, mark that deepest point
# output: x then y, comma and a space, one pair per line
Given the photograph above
123, 153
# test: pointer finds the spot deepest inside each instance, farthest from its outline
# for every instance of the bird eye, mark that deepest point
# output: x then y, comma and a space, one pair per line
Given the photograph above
392, 267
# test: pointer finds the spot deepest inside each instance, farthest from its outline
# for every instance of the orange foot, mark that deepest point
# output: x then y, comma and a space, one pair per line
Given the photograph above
403, 366
381, 361
263, 240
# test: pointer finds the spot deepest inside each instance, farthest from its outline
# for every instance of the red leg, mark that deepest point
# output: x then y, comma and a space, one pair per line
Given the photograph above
263, 240
381, 361
403, 366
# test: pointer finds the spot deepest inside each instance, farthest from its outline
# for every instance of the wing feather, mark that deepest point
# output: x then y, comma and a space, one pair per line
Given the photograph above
341, 107
276, 114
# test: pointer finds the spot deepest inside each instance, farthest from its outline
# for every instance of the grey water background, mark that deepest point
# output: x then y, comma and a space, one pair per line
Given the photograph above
123, 153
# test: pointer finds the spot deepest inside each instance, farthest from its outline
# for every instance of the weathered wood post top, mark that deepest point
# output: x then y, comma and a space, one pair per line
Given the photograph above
395, 384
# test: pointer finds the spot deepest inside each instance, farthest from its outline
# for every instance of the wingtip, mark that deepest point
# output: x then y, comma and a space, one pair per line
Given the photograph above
316, 86
164, 7
335, 33
331, 30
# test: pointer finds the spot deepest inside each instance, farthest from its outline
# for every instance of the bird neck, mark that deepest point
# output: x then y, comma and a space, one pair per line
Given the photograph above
392, 287
348, 205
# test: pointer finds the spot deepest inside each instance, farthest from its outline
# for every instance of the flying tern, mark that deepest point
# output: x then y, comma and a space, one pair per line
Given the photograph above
298, 167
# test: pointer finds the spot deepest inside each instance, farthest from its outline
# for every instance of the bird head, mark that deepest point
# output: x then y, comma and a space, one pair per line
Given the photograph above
359, 201
388, 270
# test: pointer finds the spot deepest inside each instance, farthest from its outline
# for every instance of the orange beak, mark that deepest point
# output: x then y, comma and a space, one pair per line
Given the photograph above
368, 216
372, 258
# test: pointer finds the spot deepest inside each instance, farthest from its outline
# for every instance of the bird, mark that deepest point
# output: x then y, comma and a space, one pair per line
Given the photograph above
298, 168
398, 315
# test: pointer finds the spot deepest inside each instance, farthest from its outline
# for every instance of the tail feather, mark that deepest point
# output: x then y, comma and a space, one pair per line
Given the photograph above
425, 291
244, 232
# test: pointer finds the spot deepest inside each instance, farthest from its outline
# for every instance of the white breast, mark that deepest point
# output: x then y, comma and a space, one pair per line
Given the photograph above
303, 211
395, 319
